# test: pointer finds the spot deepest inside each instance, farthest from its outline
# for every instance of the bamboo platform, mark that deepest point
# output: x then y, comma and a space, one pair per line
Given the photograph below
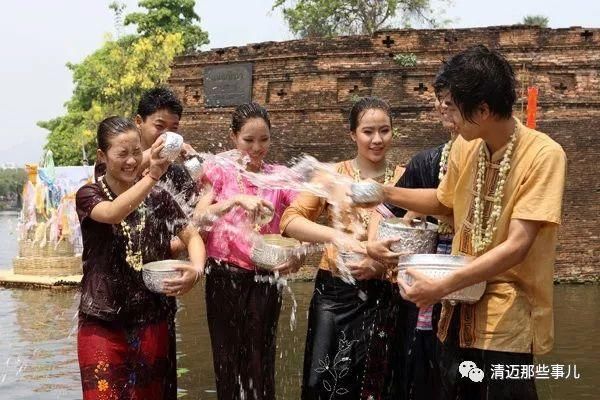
9, 279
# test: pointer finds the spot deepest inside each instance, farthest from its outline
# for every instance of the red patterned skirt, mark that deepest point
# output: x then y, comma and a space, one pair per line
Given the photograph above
127, 362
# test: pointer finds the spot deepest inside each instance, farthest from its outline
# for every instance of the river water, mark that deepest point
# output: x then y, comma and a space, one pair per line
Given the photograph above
38, 358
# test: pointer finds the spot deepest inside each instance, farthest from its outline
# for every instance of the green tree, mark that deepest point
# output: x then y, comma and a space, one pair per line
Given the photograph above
110, 81
323, 18
11, 184
170, 16
536, 20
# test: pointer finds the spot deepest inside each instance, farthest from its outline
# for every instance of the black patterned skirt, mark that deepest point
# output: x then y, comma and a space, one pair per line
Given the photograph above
353, 346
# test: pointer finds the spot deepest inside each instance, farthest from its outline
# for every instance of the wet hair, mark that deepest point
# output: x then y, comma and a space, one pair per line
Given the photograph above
441, 84
364, 104
479, 75
159, 98
245, 112
111, 127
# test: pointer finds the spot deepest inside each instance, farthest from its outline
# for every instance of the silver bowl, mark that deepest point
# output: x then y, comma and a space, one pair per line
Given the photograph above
437, 266
193, 166
173, 143
155, 272
366, 192
273, 250
420, 238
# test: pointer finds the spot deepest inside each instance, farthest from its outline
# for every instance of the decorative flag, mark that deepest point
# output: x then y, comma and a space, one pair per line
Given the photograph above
532, 96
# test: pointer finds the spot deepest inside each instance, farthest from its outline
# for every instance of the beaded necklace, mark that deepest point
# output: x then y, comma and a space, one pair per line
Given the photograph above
365, 215
481, 238
133, 258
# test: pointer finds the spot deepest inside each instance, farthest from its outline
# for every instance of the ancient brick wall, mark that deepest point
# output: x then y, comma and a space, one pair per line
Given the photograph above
308, 87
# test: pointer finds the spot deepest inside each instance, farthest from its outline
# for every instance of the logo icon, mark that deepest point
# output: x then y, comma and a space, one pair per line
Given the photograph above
468, 369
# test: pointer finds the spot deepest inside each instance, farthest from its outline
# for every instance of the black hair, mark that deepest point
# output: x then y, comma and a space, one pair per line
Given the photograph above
367, 103
441, 83
479, 75
247, 111
111, 127
159, 98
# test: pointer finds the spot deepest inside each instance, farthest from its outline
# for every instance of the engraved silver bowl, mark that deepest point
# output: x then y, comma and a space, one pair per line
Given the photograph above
366, 192
155, 272
420, 238
173, 143
193, 166
273, 250
437, 266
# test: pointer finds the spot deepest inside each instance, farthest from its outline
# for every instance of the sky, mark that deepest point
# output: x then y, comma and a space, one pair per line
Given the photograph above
38, 37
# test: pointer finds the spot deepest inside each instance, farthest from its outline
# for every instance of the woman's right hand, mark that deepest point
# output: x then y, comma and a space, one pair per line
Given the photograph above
158, 165
345, 242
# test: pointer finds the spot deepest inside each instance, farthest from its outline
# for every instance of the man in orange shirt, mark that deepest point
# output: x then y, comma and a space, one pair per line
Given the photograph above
504, 187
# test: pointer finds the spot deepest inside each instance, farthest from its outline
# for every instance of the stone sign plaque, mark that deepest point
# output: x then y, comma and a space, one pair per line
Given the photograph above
227, 85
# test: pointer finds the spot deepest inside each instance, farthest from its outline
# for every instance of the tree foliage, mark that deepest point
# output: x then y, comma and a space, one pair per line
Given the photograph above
11, 183
111, 80
536, 20
170, 16
326, 18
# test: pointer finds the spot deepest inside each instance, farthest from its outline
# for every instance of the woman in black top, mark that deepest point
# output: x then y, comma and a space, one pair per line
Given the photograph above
126, 337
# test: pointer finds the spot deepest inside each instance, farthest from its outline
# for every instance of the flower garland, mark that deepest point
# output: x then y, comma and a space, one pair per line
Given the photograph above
480, 238
443, 227
444, 159
133, 258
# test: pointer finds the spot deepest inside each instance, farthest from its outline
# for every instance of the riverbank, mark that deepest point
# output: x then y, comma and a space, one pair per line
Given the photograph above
306, 274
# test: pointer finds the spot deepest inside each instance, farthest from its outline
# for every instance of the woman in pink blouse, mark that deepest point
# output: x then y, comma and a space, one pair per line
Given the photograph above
242, 310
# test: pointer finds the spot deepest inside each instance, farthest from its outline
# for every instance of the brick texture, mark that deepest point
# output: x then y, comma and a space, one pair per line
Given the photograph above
317, 79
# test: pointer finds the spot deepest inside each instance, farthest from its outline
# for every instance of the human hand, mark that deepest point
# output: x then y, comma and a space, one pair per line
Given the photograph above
252, 203
292, 265
158, 164
424, 291
380, 250
366, 269
190, 275
187, 151
347, 243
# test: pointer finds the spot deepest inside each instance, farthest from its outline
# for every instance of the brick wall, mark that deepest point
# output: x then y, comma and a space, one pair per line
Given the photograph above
308, 87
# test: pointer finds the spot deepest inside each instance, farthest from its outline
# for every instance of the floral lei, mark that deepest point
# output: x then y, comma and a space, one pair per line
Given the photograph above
444, 228
444, 159
133, 258
482, 238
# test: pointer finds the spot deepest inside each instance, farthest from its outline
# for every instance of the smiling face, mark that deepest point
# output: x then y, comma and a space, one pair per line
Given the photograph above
373, 135
253, 139
155, 124
123, 158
